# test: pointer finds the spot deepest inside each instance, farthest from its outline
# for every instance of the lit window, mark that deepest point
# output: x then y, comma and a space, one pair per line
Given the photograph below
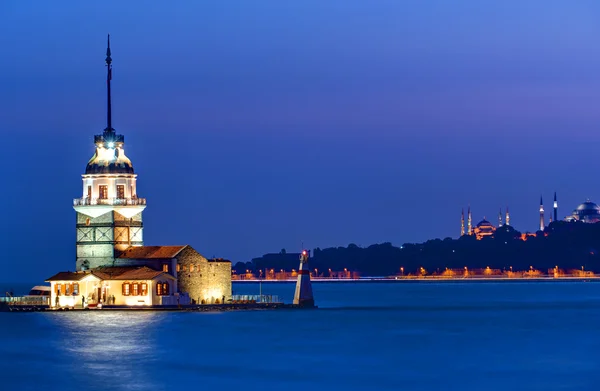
185, 268
89, 192
191, 268
178, 267
76, 288
58, 289
120, 192
166, 268
67, 289
126, 287
103, 192
166, 288
144, 289
159, 289
136, 289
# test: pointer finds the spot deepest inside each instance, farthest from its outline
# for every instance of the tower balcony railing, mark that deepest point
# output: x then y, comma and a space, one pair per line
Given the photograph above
86, 201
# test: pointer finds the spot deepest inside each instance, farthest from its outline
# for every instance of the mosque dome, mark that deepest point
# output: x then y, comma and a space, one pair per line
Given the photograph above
484, 228
109, 161
587, 211
588, 206
484, 224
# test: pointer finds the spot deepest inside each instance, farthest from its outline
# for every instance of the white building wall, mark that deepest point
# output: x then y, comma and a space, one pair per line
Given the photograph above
111, 181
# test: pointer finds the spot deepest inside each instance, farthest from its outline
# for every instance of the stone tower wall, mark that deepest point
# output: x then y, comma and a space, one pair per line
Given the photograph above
201, 279
219, 279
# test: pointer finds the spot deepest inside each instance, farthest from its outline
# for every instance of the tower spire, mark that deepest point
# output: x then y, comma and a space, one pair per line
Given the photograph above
507, 217
469, 222
462, 222
542, 224
500, 218
109, 127
555, 208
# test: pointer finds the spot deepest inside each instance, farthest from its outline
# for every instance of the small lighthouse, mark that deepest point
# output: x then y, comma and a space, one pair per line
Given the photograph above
303, 296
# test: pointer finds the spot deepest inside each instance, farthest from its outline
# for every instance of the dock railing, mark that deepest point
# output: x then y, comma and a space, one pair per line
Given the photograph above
255, 299
25, 300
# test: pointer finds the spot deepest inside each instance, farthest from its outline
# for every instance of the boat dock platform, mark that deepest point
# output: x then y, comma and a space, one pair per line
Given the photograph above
4, 307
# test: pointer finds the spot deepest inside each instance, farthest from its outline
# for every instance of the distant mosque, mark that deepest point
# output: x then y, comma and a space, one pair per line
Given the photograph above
484, 227
587, 212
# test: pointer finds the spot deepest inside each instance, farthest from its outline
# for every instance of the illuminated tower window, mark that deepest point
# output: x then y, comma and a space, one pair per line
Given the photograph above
103, 192
120, 192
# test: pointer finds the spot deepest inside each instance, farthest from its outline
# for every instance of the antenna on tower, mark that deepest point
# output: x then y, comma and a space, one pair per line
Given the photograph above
109, 127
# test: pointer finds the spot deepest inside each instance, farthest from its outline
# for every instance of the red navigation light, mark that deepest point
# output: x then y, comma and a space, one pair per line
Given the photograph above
304, 252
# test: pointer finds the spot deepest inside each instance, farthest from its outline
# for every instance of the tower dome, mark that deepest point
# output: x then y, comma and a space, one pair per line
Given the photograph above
109, 158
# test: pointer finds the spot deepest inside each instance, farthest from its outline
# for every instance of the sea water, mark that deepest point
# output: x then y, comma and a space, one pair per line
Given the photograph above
365, 336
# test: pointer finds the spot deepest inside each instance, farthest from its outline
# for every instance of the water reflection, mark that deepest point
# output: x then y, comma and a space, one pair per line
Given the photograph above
469, 337
112, 350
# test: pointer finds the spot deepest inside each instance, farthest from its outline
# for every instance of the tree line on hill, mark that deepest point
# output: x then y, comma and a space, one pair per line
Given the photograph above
568, 245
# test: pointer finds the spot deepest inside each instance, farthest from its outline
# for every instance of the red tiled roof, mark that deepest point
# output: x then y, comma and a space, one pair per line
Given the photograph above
156, 252
68, 276
143, 273
112, 273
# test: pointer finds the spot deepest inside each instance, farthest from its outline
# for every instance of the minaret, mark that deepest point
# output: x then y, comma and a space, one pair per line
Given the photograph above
469, 222
542, 225
109, 213
303, 296
500, 218
555, 208
507, 217
462, 222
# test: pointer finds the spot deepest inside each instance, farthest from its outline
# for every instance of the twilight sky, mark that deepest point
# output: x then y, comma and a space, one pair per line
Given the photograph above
256, 125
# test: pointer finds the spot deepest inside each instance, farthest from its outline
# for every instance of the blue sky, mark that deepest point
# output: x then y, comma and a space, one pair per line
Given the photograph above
255, 126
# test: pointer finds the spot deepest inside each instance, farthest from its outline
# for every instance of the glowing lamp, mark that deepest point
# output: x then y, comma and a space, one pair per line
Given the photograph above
111, 144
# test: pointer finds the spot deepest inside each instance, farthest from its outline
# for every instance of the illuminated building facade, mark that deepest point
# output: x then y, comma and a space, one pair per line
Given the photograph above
110, 253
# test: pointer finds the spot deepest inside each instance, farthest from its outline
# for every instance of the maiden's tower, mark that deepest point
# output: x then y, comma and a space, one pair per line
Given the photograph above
113, 267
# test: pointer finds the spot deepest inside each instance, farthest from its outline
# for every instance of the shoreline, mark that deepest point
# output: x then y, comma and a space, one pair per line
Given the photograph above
428, 280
